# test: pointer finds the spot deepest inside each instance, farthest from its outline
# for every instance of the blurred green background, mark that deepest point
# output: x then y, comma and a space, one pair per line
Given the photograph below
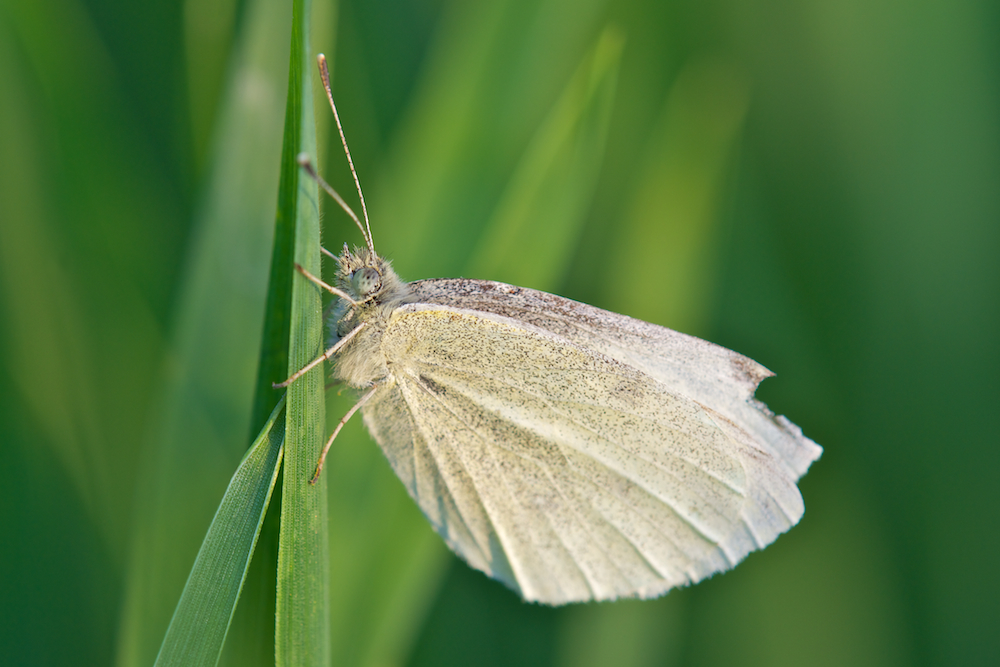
813, 184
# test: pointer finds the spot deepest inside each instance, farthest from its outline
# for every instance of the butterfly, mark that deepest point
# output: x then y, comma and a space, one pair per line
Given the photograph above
571, 453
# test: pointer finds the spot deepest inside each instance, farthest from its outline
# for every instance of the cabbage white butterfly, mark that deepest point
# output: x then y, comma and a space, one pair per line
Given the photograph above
572, 453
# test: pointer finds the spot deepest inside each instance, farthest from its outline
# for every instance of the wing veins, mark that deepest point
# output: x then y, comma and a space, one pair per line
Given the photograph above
666, 502
557, 533
668, 426
675, 510
681, 516
628, 505
654, 463
491, 445
777, 504
635, 546
581, 523
444, 479
711, 415
573, 469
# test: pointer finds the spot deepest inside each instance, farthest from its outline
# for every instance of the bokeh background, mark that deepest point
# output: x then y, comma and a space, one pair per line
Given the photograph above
814, 184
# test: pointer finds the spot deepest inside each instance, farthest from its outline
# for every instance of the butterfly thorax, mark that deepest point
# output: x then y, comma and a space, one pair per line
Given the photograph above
377, 292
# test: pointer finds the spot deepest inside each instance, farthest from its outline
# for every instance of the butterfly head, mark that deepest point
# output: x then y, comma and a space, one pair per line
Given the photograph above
366, 276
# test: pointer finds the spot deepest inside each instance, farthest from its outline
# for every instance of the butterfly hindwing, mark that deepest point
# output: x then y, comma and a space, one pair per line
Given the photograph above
563, 472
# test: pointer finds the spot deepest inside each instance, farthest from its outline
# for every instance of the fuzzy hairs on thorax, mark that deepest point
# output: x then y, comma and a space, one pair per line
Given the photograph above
377, 290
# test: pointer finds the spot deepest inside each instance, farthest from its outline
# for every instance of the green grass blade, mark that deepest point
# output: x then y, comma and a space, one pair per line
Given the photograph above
251, 634
201, 428
302, 624
200, 623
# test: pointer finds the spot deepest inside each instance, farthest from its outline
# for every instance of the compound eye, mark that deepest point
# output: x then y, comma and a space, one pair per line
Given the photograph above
366, 281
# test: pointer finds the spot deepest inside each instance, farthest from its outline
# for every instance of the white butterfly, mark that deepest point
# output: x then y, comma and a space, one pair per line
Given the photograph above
572, 453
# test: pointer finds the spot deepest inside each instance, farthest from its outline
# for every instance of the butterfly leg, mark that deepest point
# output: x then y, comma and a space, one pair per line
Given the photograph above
326, 355
329, 288
350, 413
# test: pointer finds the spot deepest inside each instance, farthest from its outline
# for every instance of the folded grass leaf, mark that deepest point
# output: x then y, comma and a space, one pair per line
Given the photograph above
292, 332
302, 622
200, 623
201, 428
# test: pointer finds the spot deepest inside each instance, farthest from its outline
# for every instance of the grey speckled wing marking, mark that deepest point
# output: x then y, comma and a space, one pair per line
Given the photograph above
563, 471
710, 374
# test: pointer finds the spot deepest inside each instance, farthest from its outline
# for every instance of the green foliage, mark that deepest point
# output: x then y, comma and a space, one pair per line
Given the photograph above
302, 614
813, 185
198, 629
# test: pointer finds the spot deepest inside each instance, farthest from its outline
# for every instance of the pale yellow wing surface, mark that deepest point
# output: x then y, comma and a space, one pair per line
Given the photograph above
565, 473
710, 374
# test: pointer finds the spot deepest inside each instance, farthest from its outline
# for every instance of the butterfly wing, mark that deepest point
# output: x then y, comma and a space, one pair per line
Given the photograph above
561, 471
708, 373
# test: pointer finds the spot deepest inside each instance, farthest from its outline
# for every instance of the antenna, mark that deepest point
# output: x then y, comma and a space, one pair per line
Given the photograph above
325, 75
306, 164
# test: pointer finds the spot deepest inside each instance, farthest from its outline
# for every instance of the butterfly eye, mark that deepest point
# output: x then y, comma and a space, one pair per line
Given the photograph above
366, 281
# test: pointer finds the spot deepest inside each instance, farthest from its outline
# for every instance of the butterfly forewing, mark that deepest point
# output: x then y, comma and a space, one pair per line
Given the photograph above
564, 472
710, 374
